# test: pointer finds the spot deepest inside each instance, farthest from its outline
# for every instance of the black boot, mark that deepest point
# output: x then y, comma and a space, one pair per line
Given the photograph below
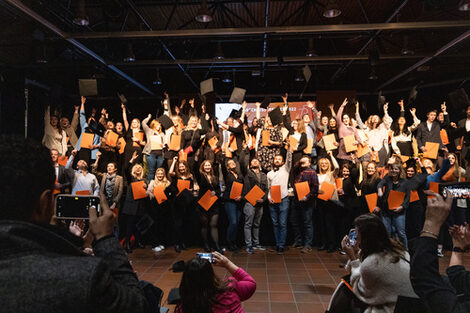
127, 246
206, 247
218, 249
177, 248
183, 247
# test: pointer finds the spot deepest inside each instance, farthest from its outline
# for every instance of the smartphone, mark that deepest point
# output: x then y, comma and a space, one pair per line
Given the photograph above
206, 256
352, 237
457, 190
75, 207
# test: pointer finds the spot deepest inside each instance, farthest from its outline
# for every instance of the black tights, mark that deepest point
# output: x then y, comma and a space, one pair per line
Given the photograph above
209, 221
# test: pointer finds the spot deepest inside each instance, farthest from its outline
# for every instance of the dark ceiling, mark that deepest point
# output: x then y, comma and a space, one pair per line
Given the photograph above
264, 61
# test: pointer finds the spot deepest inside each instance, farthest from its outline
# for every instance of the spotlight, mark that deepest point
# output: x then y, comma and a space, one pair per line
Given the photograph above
41, 56
219, 53
227, 79
332, 9
80, 17
299, 77
203, 15
374, 57
405, 50
464, 5
157, 81
130, 56
310, 51
372, 75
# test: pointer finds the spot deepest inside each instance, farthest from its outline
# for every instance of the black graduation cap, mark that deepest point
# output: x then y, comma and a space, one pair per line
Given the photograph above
412, 96
165, 121
238, 94
122, 97
206, 86
266, 102
88, 87
380, 100
275, 116
96, 128
236, 113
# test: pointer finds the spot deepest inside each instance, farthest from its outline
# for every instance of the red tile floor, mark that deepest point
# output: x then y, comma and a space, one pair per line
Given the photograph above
293, 282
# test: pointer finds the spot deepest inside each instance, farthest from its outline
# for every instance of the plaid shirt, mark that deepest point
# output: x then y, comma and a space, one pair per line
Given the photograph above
310, 176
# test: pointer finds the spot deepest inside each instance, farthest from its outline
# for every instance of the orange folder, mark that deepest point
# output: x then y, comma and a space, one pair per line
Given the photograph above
236, 190
444, 137
302, 189
228, 153
276, 194
83, 193
182, 156
213, 142
265, 138
432, 149
159, 193
233, 144
362, 150
349, 143
122, 141
434, 187
111, 139
87, 140
293, 143
339, 183
395, 199
371, 200
56, 191
404, 158
138, 190
254, 194
182, 185
63, 160
414, 196
140, 136
309, 148
328, 190
207, 200
328, 141
175, 142
374, 156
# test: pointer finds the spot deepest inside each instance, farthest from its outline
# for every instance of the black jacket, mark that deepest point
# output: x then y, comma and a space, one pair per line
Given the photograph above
423, 134
42, 271
251, 179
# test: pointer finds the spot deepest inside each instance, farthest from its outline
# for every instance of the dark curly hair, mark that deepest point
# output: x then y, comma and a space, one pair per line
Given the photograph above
26, 171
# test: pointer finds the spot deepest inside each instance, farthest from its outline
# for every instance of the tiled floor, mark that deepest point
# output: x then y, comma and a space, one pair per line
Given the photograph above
293, 282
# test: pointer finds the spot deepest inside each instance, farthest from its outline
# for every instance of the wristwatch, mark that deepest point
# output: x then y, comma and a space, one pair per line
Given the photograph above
457, 249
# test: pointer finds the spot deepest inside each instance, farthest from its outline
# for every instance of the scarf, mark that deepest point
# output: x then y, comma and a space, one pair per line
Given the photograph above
109, 187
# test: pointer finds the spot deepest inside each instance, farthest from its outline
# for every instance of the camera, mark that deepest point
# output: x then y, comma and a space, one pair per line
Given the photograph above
75, 207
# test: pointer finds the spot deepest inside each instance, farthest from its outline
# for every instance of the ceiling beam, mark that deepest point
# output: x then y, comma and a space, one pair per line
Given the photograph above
26, 10
273, 30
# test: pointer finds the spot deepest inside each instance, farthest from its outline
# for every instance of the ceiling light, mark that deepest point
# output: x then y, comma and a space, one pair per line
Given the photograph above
227, 79
374, 57
41, 57
332, 9
130, 56
157, 81
464, 5
372, 75
80, 17
310, 51
405, 50
219, 53
255, 73
203, 15
299, 77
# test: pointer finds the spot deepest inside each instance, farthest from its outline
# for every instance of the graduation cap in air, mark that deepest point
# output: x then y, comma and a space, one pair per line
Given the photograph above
88, 87
266, 102
165, 121
275, 116
380, 100
238, 94
412, 96
207, 86
307, 73
96, 128
236, 113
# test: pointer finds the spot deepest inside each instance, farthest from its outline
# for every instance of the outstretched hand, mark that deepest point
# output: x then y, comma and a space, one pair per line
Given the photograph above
437, 211
101, 226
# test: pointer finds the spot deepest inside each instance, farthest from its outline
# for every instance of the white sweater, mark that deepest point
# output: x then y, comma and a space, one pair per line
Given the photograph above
378, 282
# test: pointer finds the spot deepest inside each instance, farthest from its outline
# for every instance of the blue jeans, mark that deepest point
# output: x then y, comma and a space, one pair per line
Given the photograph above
153, 162
301, 219
279, 217
396, 224
233, 211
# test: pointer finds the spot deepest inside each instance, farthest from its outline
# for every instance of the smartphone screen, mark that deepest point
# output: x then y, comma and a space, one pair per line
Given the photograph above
352, 237
75, 207
458, 190
206, 256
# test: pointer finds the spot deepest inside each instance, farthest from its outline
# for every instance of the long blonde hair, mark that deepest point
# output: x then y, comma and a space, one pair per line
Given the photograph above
165, 181
328, 171
134, 170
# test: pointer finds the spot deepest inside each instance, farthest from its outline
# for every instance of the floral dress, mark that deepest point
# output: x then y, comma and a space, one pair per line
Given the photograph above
266, 154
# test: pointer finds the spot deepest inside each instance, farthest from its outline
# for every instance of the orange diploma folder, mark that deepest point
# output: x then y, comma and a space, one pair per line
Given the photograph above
175, 142
159, 193
276, 194
254, 194
138, 190
183, 156
444, 137
265, 138
302, 189
233, 144
139, 136
434, 187
236, 190
63, 160
431, 150
339, 183
293, 143
395, 199
349, 143
371, 200
123, 145
213, 142
83, 193
111, 139
207, 200
328, 190
362, 150
309, 148
182, 185
87, 140
329, 141
414, 196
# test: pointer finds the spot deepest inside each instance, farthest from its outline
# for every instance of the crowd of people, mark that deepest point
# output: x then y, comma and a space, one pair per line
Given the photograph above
316, 172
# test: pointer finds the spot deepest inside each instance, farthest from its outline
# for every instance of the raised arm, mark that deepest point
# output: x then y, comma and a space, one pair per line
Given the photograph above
358, 118
124, 116
316, 120
242, 117
334, 163
171, 171
145, 122
288, 164
387, 120
74, 123
402, 108
339, 119
416, 120
331, 106
258, 113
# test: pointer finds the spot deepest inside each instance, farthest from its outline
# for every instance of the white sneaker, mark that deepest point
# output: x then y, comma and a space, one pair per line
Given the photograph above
439, 253
161, 247
157, 249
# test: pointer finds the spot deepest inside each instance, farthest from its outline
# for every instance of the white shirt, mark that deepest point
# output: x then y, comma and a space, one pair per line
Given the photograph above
429, 125
280, 177
467, 125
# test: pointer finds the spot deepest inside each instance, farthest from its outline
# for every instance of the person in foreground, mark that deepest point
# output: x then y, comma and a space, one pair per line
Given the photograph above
202, 291
440, 294
42, 268
379, 266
